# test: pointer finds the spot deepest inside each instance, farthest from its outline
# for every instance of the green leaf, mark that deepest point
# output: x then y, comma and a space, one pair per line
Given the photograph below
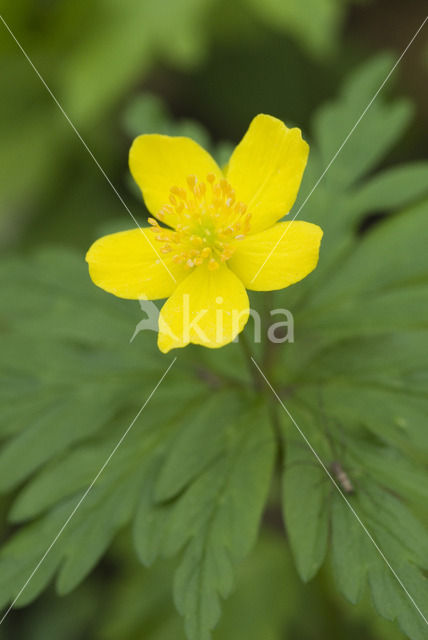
96, 533
228, 500
376, 132
192, 476
216, 518
393, 526
264, 603
139, 31
147, 113
317, 35
182, 460
53, 429
196, 478
391, 189
307, 528
201, 441
42, 294
393, 603
379, 264
106, 508
71, 418
350, 548
355, 560
390, 467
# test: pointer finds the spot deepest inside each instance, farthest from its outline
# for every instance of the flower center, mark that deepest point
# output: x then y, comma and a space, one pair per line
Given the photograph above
208, 221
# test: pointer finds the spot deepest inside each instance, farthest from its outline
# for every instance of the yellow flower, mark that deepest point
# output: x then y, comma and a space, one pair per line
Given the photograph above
219, 232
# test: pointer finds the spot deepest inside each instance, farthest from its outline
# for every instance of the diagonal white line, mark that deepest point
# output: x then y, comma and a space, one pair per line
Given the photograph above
349, 505
342, 145
84, 496
42, 80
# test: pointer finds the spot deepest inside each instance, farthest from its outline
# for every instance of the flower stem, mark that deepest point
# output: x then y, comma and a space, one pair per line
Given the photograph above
254, 375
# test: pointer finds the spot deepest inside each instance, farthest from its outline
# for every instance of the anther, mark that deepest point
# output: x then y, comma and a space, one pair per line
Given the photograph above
192, 181
205, 224
178, 191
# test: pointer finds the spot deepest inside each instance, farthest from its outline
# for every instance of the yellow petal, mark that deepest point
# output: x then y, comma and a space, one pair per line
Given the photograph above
277, 257
208, 308
129, 265
159, 162
266, 169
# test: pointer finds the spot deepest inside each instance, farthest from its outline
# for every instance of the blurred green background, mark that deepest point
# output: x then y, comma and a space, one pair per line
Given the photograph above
202, 68
213, 61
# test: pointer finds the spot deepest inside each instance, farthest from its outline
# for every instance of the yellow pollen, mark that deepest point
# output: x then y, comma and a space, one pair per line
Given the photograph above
207, 222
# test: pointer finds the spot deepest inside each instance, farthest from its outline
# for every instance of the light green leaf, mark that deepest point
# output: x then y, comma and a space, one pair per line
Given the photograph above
318, 35
147, 113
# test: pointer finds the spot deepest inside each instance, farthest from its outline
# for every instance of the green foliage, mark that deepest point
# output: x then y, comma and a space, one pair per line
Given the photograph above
89, 54
363, 317
217, 517
147, 113
261, 606
192, 477
227, 516
319, 34
74, 412
307, 528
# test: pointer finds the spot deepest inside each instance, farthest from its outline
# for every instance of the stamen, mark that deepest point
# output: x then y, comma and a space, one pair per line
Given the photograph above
206, 221
178, 191
192, 182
